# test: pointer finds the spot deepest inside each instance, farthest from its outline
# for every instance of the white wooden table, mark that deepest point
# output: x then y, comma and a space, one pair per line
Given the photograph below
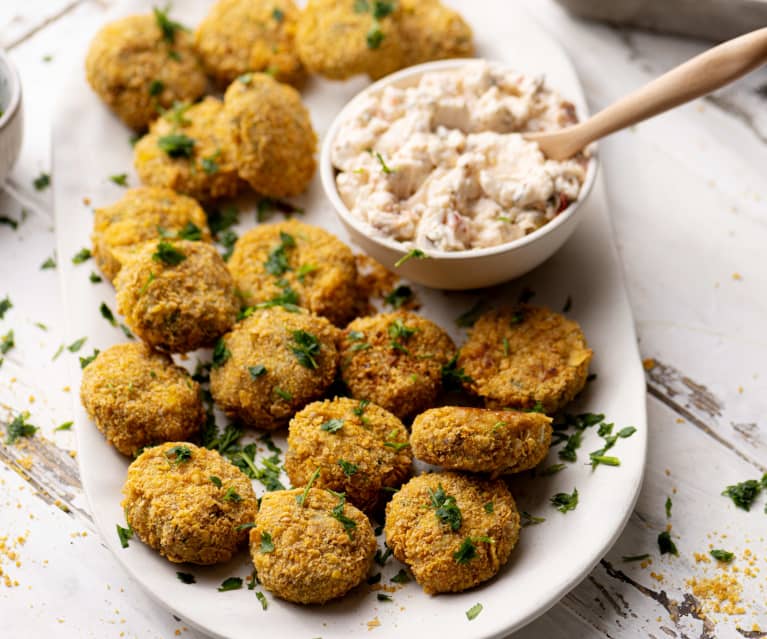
689, 203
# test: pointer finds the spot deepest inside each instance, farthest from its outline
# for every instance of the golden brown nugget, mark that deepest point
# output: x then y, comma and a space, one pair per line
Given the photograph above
432, 31
272, 364
342, 38
190, 150
359, 447
273, 137
177, 295
188, 503
481, 440
529, 357
137, 397
309, 546
452, 531
238, 36
316, 265
139, 216
395, 360
144, 63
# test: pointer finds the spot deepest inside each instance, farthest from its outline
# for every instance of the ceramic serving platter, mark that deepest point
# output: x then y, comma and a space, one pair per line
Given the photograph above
553, 556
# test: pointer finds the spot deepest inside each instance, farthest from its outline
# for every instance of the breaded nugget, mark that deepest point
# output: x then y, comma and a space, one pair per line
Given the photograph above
141, 64
395, 360
453, 531
190, 150
313, 549
359, 447
272, 364
316, 266
188, 503
525, 358
480, 440
432, 31
121, 228
343, 38
137, 397
177, 295
238, 36
273, 136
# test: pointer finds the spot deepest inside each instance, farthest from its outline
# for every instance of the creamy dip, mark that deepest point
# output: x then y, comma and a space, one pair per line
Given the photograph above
443, 165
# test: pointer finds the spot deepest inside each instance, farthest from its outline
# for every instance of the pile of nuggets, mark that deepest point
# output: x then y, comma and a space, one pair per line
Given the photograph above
362, 395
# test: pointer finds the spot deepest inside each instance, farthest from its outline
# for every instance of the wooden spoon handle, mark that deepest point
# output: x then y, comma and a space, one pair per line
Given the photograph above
696, 77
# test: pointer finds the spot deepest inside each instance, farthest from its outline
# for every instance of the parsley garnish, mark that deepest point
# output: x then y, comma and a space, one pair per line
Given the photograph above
42, 182
83, 255
401, 577
400, 296
4, 219
167, 26
283, 394
383, 597
93, 277
77, 345
181, 454
552, 470
7, 342
227, 240
666, 544
5, 306
267, 545
446, 509
304, 270
573, 443
278, 14
745, 493
168, 254
216, 481
416, 254
384, 167
530, 520
374, 36
564, 502
220, 353
269, 472
360, 410
221, 220
338, 513
381, 557
256, 371
107, 314
277, 262
65, 426
390, 443
186, 578
472, 612
300, 499
84, 361
489, 507
468, 550
635, 557
722, 555
49, 263
470, 317
453, 377
230, 583
156, 87
668, 507
19, 427
348, 468
305, 347
176, 145
120, 179
232, 495
332, 425
124, 534
262, 599
398, 331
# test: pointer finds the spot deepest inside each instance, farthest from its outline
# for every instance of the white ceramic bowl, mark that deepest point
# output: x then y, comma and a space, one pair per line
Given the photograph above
452, 270
11, 121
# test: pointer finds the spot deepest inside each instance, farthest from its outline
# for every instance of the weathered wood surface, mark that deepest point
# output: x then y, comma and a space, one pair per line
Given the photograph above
690, 215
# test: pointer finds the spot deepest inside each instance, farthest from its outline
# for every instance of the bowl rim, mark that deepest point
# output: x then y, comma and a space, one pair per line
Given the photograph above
327, 172
14, 83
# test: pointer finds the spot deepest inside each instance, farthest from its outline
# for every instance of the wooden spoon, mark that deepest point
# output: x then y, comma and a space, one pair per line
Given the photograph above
696, 77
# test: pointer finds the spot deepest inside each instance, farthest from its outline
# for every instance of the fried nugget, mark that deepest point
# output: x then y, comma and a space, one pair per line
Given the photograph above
432, 31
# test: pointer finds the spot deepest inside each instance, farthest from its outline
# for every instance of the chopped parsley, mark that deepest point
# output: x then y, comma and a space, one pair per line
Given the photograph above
95, 278
120, 179
304, 270
220, 353
221, 220
400, 296
77, 345
84, 361
269, 471
227, 240
7, 221
332, 425
745, 493
381, 9
19, 427
374, 36
7, 342
186, 578
338, 513
156, 87
360, 410
348, 468
167, 26
124, 535
401, 577
413, 254
305, 347
470, 317
453, 378
607, 460
278, 14
107, 314
180, 454
530, 520
398, 331
668, 507
65, 426
391, 443
256, 371
168, 254
267, 545
552, 470
48, 264
722, 555
300, 499
5, 306
216, 481
190, 231
277, 262
83, 255
381, 557
42, 182
230, 583
628, 558
564, 502
262, 600
489, 507
383, 597
283, 394
468, 550
383, 164
666, 544
445, 508
474, 611
232, 495
573, 444
176, 145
